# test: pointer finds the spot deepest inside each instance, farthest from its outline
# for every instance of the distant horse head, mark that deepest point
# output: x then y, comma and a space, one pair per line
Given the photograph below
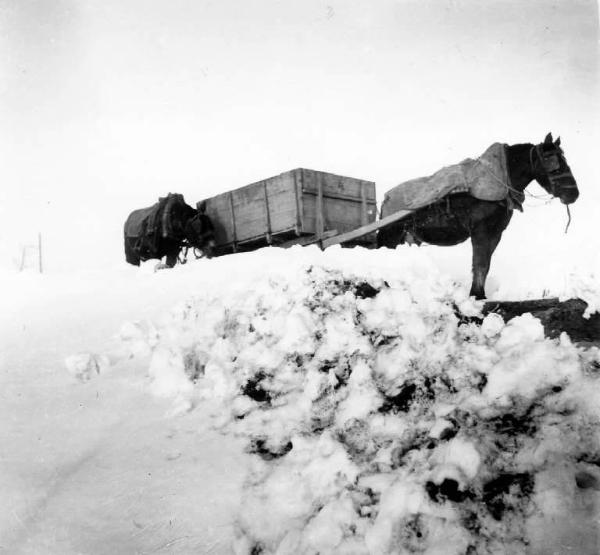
200, 232
551, 170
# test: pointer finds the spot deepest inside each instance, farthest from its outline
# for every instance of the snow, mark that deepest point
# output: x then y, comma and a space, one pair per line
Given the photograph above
294, 401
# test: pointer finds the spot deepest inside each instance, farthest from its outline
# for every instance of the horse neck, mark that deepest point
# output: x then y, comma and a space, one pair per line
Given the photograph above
519, 165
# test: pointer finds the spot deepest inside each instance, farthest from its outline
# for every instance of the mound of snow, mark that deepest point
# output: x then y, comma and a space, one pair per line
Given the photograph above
385, 415
84, 366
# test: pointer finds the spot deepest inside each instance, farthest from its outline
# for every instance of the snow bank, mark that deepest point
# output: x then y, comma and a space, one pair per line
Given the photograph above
385, 415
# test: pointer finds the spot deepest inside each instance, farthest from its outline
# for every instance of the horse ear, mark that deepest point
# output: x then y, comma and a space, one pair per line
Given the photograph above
557, 142
548, 139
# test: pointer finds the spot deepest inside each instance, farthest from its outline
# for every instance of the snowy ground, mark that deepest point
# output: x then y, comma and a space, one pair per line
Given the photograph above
296, 401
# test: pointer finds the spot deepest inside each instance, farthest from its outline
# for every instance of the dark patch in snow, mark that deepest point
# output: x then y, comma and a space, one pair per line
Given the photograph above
413, 534
259, 447
470, 520
448, 433
590, 459
446, 382
327, 365
407, 396
342, 374
355, 436
513, 425
448, 489
483, 380
463, 319
365, 290
415, 443
585, 480
496, 492
400, 402
360, 289
194, 369
255, 390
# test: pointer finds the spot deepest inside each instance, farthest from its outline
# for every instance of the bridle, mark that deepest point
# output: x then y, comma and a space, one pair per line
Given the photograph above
554, 176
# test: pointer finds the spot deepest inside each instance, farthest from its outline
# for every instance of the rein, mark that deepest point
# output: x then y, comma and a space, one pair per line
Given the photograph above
501, 181
185, 253
198, 253
569, 220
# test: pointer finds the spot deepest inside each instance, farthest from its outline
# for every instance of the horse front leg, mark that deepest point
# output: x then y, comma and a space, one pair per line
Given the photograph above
171, 259
484, 243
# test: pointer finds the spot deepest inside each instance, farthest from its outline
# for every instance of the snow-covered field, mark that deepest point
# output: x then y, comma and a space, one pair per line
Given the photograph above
295, 401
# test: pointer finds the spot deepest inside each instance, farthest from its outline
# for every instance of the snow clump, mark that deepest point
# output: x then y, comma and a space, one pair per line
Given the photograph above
384, 415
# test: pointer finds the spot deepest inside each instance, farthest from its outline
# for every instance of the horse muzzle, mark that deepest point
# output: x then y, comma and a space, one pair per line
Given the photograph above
569, 195
565, 188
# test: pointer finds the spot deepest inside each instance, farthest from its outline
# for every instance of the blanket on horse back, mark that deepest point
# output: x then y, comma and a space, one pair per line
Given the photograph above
485, 178
149, 225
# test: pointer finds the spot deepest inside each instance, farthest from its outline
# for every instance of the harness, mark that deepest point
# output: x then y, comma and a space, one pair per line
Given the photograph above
551, 166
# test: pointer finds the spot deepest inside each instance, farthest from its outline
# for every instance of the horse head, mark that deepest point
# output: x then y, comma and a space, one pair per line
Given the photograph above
551, 170
200, 232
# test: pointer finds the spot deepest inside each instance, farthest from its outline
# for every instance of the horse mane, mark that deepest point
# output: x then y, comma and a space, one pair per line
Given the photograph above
519, 165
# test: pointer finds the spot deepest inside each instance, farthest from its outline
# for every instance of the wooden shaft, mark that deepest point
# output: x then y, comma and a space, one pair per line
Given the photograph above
366, 229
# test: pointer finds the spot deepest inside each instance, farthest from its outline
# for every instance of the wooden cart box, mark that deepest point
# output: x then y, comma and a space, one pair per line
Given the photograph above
293, 205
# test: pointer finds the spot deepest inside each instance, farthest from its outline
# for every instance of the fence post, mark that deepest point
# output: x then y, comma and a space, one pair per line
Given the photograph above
26, 248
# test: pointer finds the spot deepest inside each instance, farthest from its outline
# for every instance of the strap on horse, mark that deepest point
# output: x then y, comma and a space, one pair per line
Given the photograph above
185, 249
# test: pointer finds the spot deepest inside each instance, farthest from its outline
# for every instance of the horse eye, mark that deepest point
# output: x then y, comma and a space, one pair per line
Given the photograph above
552, 164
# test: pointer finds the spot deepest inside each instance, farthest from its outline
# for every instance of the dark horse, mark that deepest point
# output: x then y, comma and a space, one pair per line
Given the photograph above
166, 228
459, 216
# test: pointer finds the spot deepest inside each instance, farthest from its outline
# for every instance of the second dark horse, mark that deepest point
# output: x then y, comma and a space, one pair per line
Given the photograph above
459, 216
164, 229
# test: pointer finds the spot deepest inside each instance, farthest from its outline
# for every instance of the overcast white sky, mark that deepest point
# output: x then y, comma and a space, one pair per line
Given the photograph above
107, 104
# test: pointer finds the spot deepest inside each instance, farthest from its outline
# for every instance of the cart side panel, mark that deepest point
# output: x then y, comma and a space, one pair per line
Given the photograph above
283, 205
254, 213
347, 203
336, 186
250, 211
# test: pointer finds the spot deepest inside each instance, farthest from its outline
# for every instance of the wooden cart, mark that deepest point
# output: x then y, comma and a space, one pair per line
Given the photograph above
300, 206
290, 208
